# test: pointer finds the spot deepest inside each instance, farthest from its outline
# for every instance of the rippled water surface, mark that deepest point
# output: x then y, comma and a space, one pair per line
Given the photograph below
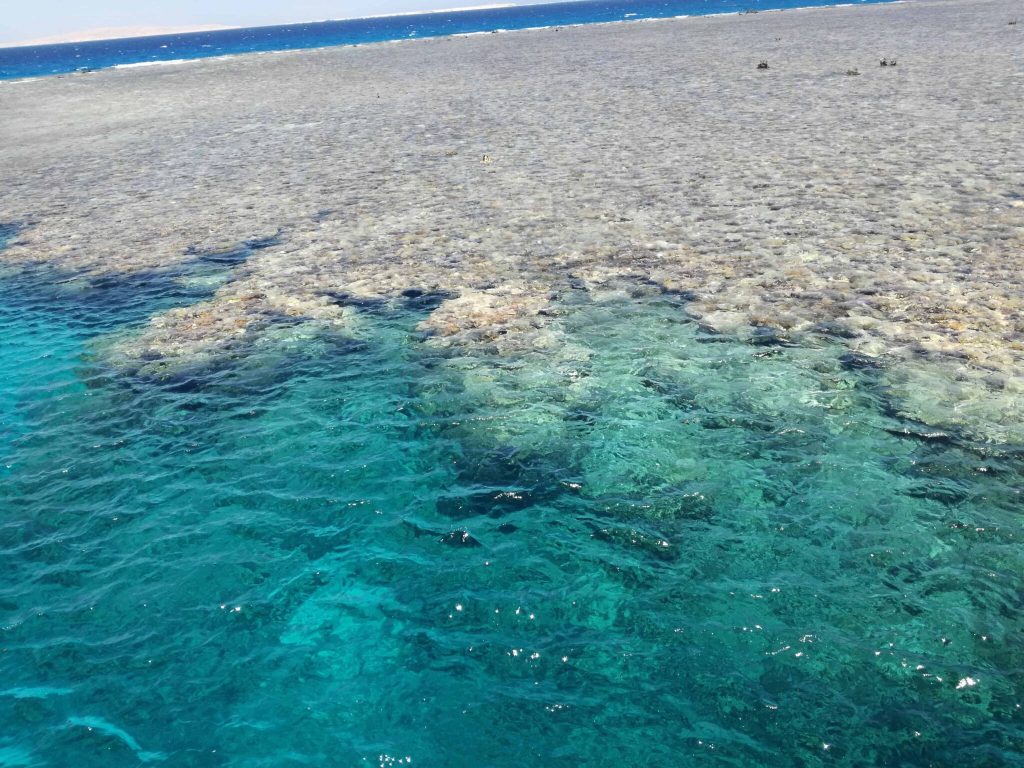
648, 545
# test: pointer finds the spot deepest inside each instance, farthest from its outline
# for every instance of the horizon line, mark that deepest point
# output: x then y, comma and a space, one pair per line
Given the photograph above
100, 34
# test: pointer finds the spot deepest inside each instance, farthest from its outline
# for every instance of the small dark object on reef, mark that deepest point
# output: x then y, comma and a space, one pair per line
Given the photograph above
855, 361
459, 539
835, 330
763, 65
763, 336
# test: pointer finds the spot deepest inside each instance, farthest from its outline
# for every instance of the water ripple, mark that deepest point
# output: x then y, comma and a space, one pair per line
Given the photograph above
683, 552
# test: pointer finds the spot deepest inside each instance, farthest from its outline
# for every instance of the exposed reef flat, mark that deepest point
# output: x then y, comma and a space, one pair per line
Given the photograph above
497, 173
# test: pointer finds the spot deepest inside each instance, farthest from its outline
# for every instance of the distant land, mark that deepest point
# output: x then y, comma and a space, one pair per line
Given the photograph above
118, 33
114, 33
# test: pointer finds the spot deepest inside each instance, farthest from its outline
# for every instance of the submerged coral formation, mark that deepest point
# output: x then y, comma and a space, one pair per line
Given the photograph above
886, 211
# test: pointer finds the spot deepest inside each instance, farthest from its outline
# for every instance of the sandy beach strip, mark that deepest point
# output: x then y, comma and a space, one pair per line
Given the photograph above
884, 208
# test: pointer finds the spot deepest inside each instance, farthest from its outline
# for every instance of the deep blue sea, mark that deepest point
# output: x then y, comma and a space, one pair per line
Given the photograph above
42, 60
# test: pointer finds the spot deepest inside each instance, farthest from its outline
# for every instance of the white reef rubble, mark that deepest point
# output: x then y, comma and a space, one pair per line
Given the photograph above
884, 211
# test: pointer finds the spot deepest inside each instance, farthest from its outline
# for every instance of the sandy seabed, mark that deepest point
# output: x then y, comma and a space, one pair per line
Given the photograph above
883, 209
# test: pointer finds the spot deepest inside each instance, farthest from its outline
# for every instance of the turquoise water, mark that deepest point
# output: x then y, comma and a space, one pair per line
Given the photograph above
647, 545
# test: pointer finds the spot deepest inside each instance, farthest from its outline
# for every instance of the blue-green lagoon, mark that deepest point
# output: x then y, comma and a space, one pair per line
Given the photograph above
659, 546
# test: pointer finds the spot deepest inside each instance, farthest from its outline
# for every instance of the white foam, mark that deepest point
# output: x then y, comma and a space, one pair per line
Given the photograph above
137, 64
168, 62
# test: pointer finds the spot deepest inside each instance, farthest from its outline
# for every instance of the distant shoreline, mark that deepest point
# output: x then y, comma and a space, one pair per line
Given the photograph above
126, 33
115, 33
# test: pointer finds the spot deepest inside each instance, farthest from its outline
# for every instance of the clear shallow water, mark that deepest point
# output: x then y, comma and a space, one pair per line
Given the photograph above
650, 545
36, 61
